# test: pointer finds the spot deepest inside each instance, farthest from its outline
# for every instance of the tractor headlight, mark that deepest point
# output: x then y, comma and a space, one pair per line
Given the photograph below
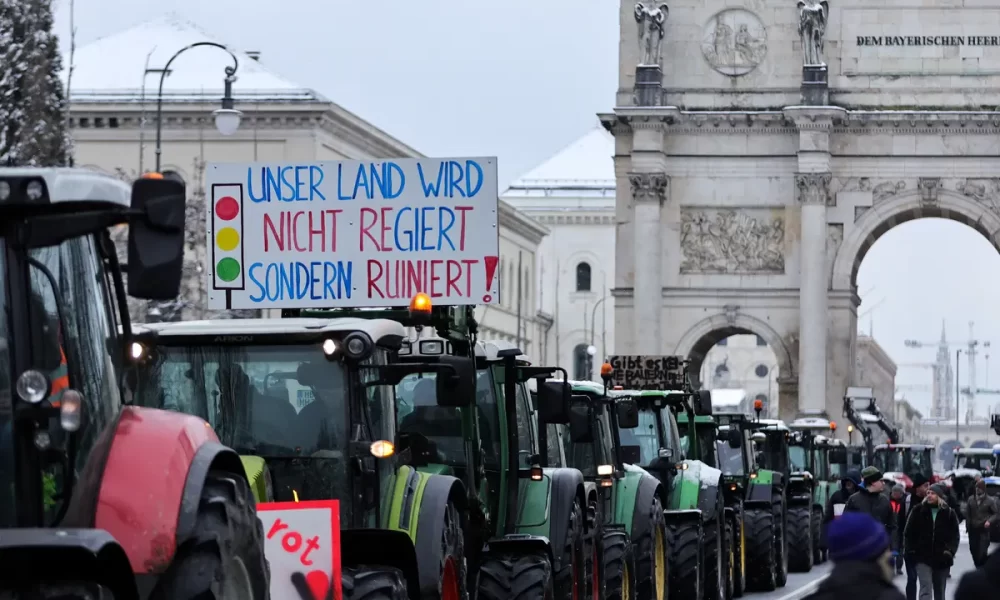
605, 470
32, 386
358, 346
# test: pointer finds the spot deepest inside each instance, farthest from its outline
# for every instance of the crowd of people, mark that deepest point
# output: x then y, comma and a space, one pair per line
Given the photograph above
872, 536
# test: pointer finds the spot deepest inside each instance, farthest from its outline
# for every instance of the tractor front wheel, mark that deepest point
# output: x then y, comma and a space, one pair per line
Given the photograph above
715, 562
819, 542
373, 583
728, 560
224, 557
738, 527
569, 579
800, 539
619, 581
452, 583
780, 537
651, 555
515, 577
686, 560
761, 571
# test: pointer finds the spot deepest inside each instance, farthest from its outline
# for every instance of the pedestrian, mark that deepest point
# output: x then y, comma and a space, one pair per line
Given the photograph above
871, 500
982, 583
982, 514
860, 549
897, 501
848, 485
913, 500
931, 539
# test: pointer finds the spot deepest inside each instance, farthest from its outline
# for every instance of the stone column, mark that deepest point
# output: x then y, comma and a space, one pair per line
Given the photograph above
813, 191
649, 192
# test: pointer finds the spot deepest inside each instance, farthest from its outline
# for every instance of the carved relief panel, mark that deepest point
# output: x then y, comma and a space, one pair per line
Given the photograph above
732, 241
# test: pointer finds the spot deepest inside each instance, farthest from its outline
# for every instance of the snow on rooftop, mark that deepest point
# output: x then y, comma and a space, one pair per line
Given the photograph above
112, 68
585, 163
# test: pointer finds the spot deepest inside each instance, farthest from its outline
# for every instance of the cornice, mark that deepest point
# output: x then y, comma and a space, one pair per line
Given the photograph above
515, 220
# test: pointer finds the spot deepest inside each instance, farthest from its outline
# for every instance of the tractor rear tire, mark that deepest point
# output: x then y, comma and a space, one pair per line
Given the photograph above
452, 556
619, 580
761, 553
224, 556
728, 560
515, 577
819, 540
373, 583
645, 551
568, 580
592, 553
800, 539
779, 508
685, 562
714, 586
739, 554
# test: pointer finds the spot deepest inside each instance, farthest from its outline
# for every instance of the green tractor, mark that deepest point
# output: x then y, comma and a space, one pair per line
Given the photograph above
701, 558
742, 459
631, 502
808, 489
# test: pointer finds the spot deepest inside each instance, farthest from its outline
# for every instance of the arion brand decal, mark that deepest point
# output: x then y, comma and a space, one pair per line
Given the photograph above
226, 230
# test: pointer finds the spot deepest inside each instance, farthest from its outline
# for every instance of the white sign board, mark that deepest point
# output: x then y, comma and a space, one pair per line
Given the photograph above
838, 509
302, 544
352, 234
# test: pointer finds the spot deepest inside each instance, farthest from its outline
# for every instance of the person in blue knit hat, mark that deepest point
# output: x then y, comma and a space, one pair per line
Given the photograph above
861, 551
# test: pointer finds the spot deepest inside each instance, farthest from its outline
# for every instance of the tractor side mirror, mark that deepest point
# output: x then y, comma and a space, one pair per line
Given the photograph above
552, 402
838, 455
734, 437
156, 241
758, 437
631, 455
456, 388
703, 403
581, 419
627, 412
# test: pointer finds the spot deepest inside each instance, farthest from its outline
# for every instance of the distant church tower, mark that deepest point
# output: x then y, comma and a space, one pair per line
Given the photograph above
943, 396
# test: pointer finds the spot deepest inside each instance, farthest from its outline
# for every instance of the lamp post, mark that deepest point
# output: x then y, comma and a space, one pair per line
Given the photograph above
958, 353
227, 118
850, 435
593, 318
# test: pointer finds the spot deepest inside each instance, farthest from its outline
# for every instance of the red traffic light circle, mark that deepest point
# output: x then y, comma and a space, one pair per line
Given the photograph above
227, 208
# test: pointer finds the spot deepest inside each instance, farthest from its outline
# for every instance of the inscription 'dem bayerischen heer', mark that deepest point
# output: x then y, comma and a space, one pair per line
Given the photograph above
928, 40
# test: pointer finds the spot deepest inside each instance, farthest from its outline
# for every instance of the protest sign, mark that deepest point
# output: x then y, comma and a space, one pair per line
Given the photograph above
302, 544
639, 372
352, 233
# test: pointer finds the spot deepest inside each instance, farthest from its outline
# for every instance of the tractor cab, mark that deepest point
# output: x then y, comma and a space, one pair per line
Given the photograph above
900, 462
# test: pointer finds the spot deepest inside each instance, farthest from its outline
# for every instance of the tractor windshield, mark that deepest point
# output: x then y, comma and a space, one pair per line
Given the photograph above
979, 462
645, 436
706, 441
273, 401
799, 458
730, 459
904, 460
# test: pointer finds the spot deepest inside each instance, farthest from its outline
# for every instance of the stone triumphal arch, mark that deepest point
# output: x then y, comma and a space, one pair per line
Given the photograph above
762, 149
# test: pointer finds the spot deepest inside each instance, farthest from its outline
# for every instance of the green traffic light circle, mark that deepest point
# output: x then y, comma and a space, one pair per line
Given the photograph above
228, 269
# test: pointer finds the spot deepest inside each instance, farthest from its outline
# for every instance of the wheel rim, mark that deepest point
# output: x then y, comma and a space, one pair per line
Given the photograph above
626, 583
449, 580
595, 579
660, 564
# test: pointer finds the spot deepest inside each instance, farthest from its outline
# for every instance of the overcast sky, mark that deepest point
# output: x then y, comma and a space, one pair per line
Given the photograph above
520, 79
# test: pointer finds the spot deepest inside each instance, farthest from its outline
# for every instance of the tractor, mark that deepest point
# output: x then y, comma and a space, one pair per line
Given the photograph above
632, 499
688, 483
900, 462
969, 465
743, 456
808, 490
309, 404
115, 500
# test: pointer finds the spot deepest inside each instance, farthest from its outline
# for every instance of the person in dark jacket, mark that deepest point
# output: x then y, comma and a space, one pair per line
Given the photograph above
848, 485
871, 500
897, 501
982, 514
860, 549
983, 582
931, 539
913, 500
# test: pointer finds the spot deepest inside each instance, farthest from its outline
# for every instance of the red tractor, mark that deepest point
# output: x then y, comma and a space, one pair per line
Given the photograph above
100, 499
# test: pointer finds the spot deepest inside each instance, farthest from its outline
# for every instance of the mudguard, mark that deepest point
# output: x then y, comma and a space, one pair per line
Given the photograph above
211, 456
382, 547
519, 544
142, 482
760, 486
30, 556
649, 489
681, 516
800, 490
418, 507
625, 491
553, 496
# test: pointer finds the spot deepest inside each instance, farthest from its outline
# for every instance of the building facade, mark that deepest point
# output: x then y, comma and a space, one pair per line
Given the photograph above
908, 421
572, 195
876, 369
113, 117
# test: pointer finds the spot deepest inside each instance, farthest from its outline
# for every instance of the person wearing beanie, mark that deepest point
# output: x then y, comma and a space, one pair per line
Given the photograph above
981, 515
871, 500
930, 540
860, 549
919, 490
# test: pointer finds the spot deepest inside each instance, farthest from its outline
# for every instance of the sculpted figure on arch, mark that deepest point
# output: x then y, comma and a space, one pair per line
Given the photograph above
812, 30
650, 21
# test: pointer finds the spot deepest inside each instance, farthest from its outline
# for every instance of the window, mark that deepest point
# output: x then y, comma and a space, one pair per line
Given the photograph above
502, 281
525, 436
583, 277
761, 371
761, 342
646, 436
723, 342
581, 363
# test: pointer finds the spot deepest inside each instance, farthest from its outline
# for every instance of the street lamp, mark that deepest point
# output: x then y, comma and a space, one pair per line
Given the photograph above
850, 435
591, 351
958, 365
227, 118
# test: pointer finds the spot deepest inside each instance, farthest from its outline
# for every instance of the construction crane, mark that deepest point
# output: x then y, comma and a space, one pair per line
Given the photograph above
944, 358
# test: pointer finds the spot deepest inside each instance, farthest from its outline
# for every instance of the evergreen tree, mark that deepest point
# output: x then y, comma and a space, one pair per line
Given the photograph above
32, 101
